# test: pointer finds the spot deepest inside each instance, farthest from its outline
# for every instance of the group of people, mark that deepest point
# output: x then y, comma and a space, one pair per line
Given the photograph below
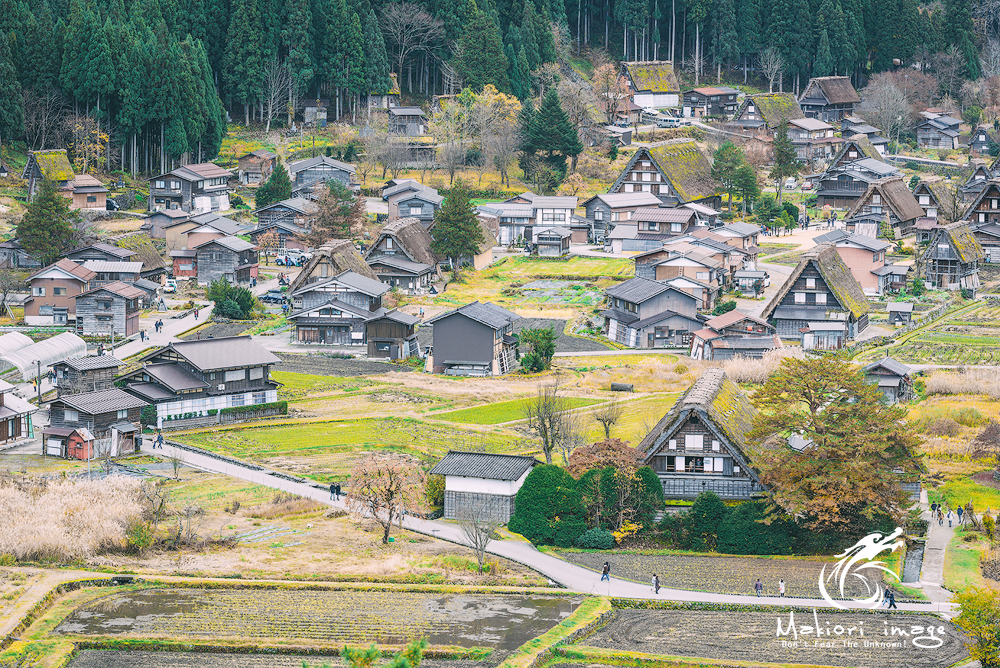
335, 491
158, 325
758, 587
889, 600
937, 513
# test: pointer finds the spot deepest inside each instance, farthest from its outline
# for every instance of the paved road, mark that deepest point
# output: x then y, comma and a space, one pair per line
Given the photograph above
172, 328
558, 571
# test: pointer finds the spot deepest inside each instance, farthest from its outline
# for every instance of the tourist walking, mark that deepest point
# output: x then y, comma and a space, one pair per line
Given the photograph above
158, 443
949, 517
781, 588
940, 517
333, 490
196, 315
885, 597
656, 584
892, 600
606, 572
758, 587
337, 492
960, 511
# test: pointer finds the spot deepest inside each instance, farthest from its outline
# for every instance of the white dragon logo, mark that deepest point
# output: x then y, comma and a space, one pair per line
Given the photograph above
864, 550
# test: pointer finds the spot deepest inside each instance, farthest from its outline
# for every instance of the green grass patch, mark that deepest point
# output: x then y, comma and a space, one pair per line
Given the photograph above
504, 411
961, 563
960, 492
300, 385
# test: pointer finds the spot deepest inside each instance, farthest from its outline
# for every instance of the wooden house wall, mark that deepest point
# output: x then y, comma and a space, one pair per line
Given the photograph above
321, 172
124, 320
89, 380
98, 424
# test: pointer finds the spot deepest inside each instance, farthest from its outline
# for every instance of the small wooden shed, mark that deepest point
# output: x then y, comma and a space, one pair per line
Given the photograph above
478, 482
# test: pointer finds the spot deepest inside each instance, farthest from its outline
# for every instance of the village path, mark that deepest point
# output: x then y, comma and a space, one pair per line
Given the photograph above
932, 570
172, 329
568, 575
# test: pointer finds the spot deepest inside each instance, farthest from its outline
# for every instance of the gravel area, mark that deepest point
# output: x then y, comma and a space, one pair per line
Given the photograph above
564, 344
751, 636
320, 365
113, 659
219, 330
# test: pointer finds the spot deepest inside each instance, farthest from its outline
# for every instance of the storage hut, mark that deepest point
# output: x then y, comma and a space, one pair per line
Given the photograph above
476, 482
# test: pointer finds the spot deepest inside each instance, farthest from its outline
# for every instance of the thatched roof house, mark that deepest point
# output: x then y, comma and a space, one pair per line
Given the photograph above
768, 110
331, 259
405, 237
701, 443
652, 83
685, 174
887, 199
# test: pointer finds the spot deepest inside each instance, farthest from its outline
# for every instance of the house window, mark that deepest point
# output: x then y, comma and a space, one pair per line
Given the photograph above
256, 373
820, 297
598, 215
176, 185
260, 397
811, 283
237, 374
672, 444
614, 216
123, 414
800, 298
702, 276
388, 246
416, 210
38, 291
91, 199
161, 184
71, 415
715, 446
694, 442
876, 256
876, 199
103, 305
201, 184
653, 227
925, 200
58, 292
236, 400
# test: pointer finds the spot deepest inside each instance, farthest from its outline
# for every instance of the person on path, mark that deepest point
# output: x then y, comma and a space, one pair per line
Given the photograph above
960, 511
940, 516
781, 588
933, 508
892, 600
333, 490
656, 584
338, 491
158, 443
885, 597
758, 587
196, 314
949, 517
606, 572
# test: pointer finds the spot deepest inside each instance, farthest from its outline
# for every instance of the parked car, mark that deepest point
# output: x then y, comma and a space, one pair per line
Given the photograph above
170, 286
668, 122
651, 111
111, 205
791, 183
623, 123
273, 297
807, 185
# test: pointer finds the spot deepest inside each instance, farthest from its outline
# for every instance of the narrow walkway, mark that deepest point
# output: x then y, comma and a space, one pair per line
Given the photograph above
568, 575
172, 328
932, 571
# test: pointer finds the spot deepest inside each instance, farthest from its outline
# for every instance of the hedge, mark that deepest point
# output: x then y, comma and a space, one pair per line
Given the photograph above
282, 407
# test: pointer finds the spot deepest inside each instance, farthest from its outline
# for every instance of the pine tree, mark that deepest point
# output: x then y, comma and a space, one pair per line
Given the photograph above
725, 43
11, 117
376, 60
481, 58
552, 132
749, 29
785, 162
243, 62
457, 231
46, 229
726, 162
277, 188
297, 42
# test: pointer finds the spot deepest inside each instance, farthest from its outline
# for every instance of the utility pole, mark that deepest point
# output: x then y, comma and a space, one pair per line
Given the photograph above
38, 382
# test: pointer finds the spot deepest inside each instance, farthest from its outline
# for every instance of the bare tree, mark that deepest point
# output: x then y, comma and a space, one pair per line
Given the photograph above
269, 242
610, 91
393, 155
189, 522
546, 76
409, 29
277, 80
176, 459
104, 450
546, 415
451, 156
11, 280
608, 415
504, 145
479, 520
770, 62
885, 106
155, 498
948, 67
384, 486
989, 58
44, 117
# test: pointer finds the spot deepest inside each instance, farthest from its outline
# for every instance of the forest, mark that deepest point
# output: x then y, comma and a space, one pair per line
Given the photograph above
152, 81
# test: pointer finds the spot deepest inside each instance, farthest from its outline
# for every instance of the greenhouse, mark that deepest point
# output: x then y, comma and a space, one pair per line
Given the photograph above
30, 359
12, 342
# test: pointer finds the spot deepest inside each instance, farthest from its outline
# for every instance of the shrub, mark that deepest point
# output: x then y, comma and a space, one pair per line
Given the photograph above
596, 539
547, 508
282, 407
434, 490
723, 307
912, 165
680, 369
743, 531
702, 521
147, 416
944, 427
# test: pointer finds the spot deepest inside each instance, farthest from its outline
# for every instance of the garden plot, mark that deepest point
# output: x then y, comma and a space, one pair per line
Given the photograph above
114, 659
326, 617
751, 636
562, 292
716, 574
972, 338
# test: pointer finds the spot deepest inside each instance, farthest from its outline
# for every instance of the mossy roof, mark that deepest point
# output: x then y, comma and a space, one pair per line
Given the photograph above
685, 167
836, 275
54, 165
144, 249
656, 76
776, 107
864, 147
964, 242
894, 193
720, 400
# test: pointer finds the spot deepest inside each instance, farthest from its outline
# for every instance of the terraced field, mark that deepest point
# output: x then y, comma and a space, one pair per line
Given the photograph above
971, 338
327, 617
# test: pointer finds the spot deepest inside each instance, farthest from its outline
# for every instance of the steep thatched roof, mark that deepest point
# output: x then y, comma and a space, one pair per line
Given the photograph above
54, 164
895, 194
145, 251
685, 167
862, 145
656, 76
836, 90
774, 107
410, 235
715, 398
836, 275
339, 255
963, 241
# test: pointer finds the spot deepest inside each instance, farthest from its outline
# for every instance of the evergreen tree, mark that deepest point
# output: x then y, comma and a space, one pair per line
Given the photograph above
243, 61
481, 58
46, 229
277, 188
376, 60
823, 65
551, 131
749, 29
725, 39
785, 162
11, 117
457, 231
726, 162
354, 55
297, 42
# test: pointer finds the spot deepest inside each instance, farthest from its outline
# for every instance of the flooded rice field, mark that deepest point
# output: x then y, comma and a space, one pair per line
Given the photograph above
464, 620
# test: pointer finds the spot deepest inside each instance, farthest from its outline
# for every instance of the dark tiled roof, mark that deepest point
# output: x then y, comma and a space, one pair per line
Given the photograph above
224, 353
637, 290
234, 244
889, 364
479, 465
93, 362
76, 270
660, 317
368, 286
174, 377
124, 290
104, 401
487, 313
401, 263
